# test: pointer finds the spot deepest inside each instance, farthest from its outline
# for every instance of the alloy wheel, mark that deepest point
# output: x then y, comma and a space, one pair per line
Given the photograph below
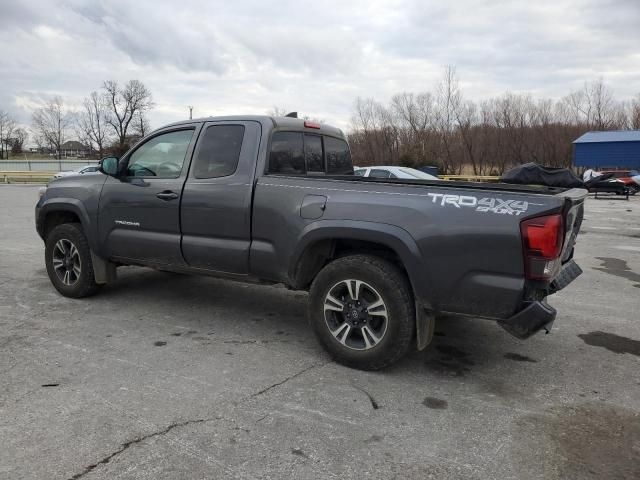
66, 262
355, 314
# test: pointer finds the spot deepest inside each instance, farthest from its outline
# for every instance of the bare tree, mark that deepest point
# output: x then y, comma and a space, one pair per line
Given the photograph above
141, 125
51, 123
7, 125
18, 140
448, 99
124, 104
91, 122
593, 106
601, 106
276, 111
634, 113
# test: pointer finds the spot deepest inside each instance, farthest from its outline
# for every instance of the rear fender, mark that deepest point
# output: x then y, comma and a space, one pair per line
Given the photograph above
390, 236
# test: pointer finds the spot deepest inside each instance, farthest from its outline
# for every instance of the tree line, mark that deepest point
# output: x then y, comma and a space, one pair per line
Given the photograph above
108, 121
444, 129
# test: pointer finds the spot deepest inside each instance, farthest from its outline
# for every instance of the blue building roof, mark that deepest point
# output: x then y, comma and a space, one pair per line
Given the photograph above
611, 136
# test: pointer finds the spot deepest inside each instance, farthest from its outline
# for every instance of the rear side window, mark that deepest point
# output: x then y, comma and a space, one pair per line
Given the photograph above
219, 151
313, 153
377, 173
338, 156
287, 153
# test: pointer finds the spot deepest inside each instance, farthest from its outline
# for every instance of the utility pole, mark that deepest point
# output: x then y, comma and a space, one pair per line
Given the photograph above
190, 112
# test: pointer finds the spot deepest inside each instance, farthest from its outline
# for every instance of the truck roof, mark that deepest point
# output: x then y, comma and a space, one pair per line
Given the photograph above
284, 123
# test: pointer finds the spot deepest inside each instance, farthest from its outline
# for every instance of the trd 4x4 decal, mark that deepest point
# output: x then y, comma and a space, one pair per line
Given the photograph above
485, 204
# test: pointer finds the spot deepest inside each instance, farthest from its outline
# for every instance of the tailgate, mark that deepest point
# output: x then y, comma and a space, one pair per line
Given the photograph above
573, 212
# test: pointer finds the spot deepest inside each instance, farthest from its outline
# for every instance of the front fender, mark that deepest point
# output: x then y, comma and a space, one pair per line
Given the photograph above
72, 205
391, 236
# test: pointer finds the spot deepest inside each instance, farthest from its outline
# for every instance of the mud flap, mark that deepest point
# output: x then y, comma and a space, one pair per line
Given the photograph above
104, 271
425, 325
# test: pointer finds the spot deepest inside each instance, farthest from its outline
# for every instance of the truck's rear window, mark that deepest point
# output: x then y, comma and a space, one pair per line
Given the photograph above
295, 153
313, 153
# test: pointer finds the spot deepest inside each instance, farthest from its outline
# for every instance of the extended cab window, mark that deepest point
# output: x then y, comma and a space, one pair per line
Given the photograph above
287, 153
162, 156
338, 156
219, 151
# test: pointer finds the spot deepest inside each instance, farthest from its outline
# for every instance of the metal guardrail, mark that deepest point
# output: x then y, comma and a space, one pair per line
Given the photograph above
24, 177
39, 165
471, 178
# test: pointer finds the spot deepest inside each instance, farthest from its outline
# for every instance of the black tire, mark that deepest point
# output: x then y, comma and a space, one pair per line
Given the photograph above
76, 285
391, 285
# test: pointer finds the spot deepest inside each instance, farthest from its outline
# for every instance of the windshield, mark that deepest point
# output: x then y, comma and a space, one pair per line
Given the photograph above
417, 173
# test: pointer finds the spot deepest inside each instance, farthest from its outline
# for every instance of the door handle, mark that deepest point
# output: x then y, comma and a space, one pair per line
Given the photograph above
167, 195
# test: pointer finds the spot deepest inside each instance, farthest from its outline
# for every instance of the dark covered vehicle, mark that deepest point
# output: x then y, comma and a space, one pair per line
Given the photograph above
275, 200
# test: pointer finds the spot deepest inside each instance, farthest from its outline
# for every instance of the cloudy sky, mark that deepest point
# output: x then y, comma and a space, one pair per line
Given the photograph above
236, 56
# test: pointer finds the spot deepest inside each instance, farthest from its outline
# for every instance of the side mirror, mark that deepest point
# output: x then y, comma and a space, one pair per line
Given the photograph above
109, 166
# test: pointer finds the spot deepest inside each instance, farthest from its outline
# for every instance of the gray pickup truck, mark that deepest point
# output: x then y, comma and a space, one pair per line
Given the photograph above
256, 198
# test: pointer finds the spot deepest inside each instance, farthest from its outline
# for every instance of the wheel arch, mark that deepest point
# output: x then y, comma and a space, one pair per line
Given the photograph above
323, 241
57, 212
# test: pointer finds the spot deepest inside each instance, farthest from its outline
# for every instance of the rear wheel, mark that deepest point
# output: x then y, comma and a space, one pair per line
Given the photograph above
68, 261
362, 311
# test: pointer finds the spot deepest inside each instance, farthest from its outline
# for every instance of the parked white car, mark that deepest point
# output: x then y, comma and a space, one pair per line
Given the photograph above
392, 172
78, 171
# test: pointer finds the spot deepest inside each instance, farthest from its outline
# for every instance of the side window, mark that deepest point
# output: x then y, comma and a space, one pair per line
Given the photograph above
360, 172
287, 153
313, 153
377, 173
338, 156
218, 151
162, 156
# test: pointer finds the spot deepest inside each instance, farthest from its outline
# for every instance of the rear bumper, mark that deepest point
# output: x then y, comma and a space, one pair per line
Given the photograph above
536, 316
570, 271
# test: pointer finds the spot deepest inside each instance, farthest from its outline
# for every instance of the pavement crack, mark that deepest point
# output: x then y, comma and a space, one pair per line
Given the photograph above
290, 377
126, 445
374, 403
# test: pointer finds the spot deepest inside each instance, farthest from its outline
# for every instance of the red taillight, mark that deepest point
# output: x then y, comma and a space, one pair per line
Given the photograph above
542, 239
308, 124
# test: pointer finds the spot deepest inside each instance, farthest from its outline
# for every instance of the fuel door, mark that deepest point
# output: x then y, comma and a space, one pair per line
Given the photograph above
313, 206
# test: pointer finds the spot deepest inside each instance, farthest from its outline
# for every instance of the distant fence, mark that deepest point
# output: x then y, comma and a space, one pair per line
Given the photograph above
43, 165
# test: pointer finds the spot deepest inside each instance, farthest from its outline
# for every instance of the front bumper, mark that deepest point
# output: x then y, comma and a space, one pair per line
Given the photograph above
538, 314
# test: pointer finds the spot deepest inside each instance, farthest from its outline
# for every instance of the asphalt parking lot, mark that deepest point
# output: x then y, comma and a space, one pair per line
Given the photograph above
167, 376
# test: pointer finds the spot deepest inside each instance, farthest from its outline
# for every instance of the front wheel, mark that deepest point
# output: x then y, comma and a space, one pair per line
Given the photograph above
68, 260
362, 311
